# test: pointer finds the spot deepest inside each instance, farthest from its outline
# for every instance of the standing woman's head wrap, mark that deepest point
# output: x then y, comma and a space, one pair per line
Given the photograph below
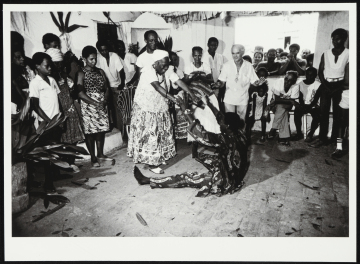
55, 54
160, 54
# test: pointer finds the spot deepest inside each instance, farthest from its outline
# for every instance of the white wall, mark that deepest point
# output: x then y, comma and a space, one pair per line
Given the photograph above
328, 22
41, 23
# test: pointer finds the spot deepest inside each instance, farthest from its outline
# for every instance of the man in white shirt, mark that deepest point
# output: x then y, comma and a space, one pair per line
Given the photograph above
213, 59
308, 88
128, 60
111, 64
146, 58
238, 75
286, 95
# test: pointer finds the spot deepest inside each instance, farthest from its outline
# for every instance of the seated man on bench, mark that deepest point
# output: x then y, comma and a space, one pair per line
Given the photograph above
286, 95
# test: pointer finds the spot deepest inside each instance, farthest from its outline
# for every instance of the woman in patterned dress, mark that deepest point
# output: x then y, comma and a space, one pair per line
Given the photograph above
226, 170
72, 133
151, 139
94, 95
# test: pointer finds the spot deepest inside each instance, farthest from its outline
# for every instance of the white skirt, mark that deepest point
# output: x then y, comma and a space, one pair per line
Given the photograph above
206, 117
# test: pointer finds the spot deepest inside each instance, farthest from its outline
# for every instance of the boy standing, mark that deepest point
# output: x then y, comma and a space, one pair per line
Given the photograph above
308, 88
331, 74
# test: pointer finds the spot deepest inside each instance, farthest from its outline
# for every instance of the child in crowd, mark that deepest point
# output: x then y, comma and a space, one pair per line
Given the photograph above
50, 40
310, 60
247, 58
43, 93
257, 104
308, 104
293, 63
73, 132
331, 74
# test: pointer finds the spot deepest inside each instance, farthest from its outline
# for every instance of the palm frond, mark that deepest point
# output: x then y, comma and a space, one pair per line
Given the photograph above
61, 15
55, 21
67, 21
73, 27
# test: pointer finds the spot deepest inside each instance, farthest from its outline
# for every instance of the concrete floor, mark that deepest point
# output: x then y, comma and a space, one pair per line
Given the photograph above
273, 203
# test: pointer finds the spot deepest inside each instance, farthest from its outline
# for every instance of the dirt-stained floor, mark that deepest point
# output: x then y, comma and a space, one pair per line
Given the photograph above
289, 191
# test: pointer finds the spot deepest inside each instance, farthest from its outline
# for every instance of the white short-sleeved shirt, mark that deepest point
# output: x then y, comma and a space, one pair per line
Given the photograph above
47, 94
203, 68
278, 89
237, 91
215, 63
129, 65
308, 91
146, 96
112, 70
145, 59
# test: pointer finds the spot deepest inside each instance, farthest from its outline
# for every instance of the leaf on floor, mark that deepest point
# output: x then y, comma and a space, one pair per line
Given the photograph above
240, 235
102, 181
77, 183
316, 226
280, 205
192, 203
319, 218
307, 186
118, 234
68, 229
64, 234
107, 173
141, 220
97, 184
289, 233
331, 226
49, 212
93, 188
56, 232
328, 162
75, 236
281, 160
294, 229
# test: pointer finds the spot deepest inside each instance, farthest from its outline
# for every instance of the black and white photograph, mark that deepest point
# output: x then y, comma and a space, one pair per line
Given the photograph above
163, 132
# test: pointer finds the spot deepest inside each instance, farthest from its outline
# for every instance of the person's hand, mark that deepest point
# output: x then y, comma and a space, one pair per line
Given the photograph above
260, 81
180, 102
216, 85
290, 56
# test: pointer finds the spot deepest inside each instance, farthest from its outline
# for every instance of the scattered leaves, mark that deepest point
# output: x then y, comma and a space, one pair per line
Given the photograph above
307, 186
55, 232
64, 234
289, 233
240, 235
316, 226
118, 234
294, 229
97, 184
75, 236
68, 229
331, 226
141, 220
319, 218
280, 205
49, 212
93, 188
77, 183
283, 160
102, 181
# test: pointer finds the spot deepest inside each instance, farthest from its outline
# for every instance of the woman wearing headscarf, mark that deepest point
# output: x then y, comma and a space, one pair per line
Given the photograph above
72, 132
151, 139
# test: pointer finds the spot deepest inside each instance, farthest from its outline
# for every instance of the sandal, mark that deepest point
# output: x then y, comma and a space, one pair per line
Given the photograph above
157, 170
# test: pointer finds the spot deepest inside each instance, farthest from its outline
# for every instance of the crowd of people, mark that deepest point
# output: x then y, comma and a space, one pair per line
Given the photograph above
209, 102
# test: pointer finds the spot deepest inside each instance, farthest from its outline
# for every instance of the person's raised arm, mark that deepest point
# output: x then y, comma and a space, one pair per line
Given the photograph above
183, 86
299, 68
276, 72
81, 91
284, 67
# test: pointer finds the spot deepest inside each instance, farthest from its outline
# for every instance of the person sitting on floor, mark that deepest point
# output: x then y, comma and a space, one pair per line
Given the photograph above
270, 65
50, 40
286, 95
226, 170
293, 63
308, 88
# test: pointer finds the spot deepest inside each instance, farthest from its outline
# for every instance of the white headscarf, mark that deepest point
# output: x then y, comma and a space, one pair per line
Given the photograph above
160, 54
55, 54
